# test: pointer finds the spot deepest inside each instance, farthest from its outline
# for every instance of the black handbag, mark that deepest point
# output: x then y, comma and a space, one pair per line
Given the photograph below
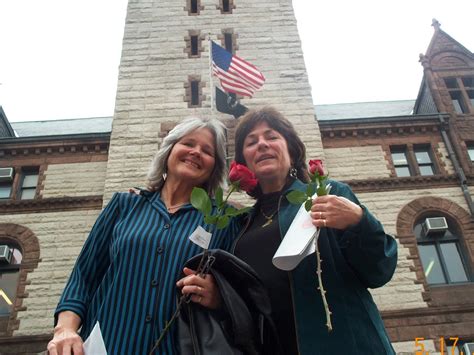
242, 326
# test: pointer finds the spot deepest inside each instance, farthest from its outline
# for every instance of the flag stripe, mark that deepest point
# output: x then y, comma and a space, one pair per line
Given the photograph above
230, 79
235, 74
231, 74
230, 85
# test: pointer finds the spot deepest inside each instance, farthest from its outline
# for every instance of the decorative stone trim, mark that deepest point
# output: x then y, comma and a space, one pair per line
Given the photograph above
188, 7
376, 131
26, 344
403, 183
19, 150
188, 86
429, 323
47, 205
234, 36
188, 40
230, 5
30, 249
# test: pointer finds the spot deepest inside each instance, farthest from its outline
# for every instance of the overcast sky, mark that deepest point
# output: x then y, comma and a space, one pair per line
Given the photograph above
59, 58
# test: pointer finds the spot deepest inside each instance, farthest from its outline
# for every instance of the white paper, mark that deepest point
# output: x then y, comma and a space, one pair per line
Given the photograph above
297, 243
201, 237
94, 344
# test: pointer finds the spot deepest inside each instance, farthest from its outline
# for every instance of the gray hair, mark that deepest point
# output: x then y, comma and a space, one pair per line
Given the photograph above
157, 172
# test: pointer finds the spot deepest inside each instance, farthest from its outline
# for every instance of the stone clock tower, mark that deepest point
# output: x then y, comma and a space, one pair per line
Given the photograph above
164, 74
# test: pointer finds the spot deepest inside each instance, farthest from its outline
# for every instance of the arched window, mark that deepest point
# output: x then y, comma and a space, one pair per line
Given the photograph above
10, 261
441, 250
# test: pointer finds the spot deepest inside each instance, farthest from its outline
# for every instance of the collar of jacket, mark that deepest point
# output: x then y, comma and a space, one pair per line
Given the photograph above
289, 211
286, 214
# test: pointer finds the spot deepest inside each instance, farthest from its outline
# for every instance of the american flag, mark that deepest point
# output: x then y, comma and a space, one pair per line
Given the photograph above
235, 74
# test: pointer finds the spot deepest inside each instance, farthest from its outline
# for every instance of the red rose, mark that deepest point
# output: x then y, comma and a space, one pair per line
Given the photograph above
316, 165
241, 174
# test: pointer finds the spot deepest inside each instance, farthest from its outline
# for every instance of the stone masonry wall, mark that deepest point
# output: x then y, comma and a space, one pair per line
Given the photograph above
77, 179
356, 163
401, 292
61, 236
155, 67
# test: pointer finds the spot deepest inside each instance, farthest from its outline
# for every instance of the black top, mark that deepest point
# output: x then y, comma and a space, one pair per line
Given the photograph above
256, 247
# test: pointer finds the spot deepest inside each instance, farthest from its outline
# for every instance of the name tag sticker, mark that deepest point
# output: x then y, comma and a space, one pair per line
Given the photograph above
201, 237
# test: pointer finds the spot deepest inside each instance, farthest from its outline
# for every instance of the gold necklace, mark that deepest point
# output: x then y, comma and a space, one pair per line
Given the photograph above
268, 218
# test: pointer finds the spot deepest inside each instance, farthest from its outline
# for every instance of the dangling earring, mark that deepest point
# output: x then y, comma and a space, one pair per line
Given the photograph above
293, 173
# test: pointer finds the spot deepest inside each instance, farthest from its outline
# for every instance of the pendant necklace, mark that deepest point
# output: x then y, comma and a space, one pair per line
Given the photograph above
268, 218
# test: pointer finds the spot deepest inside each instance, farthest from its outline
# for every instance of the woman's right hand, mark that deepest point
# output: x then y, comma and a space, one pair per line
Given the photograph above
66, 340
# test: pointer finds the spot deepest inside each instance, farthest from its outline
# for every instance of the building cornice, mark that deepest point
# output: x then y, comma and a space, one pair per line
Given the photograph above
405, 183
380, 126
14, 147
48, 205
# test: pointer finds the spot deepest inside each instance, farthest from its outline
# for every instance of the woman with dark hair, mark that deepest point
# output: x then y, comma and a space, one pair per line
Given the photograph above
125, 276
357, 254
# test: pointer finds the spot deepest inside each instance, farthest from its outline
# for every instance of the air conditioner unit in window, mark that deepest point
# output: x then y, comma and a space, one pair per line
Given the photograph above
468, 348
6, 174
434, 226
5, 254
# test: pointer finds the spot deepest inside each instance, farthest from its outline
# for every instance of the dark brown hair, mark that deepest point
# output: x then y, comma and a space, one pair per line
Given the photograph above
275, 120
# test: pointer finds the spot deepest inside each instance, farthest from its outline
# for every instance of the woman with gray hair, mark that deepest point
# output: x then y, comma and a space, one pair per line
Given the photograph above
125, 276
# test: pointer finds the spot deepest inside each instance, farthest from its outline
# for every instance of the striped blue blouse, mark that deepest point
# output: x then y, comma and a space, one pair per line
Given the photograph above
125, 276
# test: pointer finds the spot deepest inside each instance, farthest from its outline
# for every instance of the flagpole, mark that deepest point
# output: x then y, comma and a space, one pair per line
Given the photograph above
210, 75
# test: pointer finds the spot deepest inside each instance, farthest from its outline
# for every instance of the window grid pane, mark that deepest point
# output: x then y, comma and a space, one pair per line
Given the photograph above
28, 194
30, 180
426, 170
431, 264
399, 158
8, 285
5, 191
423, 157
402, 171
470, 150
453, 262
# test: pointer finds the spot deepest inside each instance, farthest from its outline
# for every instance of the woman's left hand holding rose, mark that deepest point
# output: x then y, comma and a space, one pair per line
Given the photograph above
335, 212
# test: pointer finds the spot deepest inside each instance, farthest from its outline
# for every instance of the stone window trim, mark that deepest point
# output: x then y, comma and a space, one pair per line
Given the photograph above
233, 36
29, 245
189, 87
412, 212
410, 149
189, 7
189, 45
18, 179
230, 6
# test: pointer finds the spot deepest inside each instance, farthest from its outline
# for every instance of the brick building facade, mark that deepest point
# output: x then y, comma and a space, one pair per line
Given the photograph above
405, 166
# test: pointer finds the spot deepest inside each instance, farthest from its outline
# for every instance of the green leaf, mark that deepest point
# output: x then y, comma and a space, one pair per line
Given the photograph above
308, 204
219, 197
210, 219
222, 222
311, 189
243, 210
296, 197
201, 201
232, 212
322, 190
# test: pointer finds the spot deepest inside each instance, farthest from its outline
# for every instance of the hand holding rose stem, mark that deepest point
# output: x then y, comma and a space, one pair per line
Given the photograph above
317, 185
241, 178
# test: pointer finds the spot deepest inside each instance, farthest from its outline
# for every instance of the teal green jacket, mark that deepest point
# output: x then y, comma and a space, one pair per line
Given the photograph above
353, 260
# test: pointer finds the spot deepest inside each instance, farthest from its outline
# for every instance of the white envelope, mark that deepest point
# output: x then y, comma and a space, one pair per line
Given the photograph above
94, 344
297, 243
